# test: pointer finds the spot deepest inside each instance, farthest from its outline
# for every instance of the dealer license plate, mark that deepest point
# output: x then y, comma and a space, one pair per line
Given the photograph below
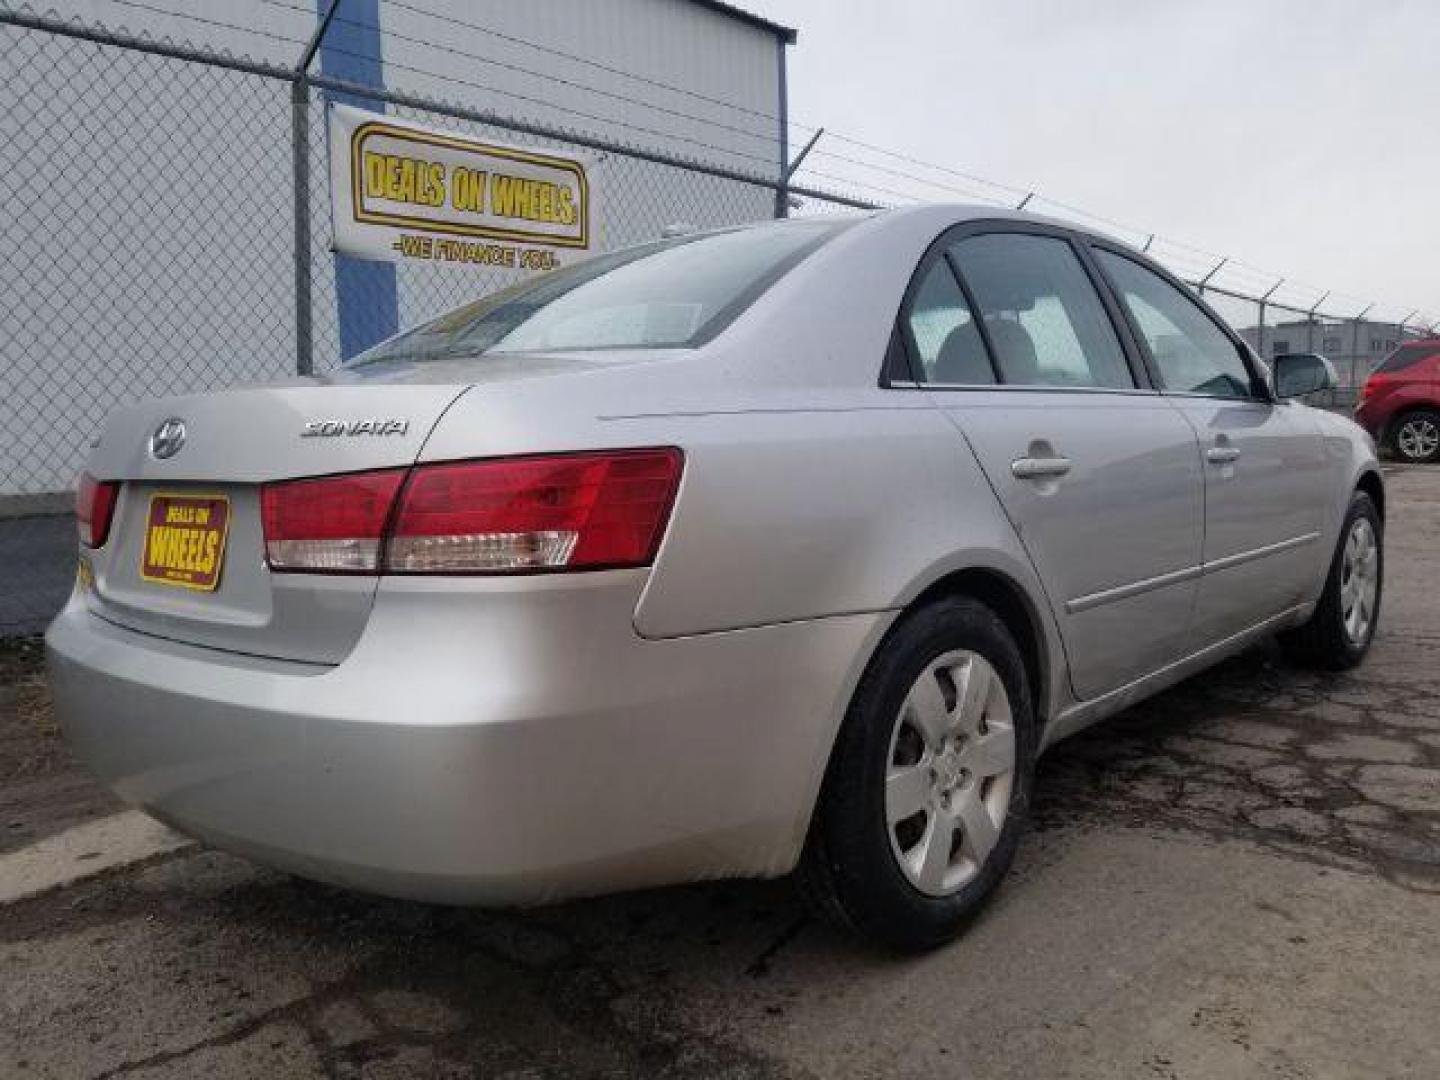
185, 540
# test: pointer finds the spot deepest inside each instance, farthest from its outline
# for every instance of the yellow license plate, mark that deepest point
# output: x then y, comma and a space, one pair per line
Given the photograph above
185, 540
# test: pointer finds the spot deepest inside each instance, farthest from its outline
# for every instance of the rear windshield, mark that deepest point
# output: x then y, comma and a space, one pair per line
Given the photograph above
676, 293
1406, 356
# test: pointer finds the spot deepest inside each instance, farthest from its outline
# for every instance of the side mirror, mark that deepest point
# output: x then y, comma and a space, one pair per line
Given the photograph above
1297, 374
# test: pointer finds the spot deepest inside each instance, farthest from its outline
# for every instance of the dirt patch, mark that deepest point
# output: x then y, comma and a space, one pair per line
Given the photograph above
1338, 769
42, 789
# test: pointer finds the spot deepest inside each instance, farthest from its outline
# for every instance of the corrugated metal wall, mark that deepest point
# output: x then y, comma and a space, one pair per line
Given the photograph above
149, 236
703, 53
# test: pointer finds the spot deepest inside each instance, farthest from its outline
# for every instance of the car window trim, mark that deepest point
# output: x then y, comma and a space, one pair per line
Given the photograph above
933, 255
1241, 349
1135, 356
976, 316
898, 336
1145, 383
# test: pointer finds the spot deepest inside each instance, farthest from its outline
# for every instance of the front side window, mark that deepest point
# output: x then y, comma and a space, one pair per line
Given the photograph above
1043, 317
942, 333
1191, 353
676, 293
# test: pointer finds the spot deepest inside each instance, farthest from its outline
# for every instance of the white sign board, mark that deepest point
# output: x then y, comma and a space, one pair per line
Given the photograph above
408, 193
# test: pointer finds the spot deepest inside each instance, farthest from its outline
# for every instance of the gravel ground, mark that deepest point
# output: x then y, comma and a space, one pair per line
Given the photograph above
1238, 878
41, 791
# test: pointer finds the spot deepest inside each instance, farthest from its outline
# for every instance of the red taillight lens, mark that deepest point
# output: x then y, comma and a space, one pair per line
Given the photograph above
562, 512
556, 512
94, 506
332, 524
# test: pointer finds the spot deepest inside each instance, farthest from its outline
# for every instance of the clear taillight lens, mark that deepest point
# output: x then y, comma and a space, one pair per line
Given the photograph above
332, 524
94, 507
526, 514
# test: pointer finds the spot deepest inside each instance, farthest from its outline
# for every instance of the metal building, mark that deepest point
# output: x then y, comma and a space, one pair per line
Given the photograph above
150, 243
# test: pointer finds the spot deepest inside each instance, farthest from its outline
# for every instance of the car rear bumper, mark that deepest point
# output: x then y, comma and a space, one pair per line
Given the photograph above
488, 741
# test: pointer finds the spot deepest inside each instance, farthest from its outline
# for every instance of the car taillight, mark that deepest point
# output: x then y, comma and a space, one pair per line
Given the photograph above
524, 514
561, 512
332, 524
94, 506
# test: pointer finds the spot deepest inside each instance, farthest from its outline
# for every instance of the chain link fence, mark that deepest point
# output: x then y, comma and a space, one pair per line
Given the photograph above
154, 245
152, 248
119, 283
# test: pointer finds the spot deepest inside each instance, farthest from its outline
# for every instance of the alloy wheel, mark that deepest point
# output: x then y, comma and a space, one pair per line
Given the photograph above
1418, 438
1360, 581
950, 771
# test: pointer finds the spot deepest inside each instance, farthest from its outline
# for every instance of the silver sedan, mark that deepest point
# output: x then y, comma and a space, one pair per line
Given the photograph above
774, 547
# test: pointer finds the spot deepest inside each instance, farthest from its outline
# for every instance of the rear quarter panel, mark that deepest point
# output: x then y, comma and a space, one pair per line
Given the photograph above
796, 502
784, 516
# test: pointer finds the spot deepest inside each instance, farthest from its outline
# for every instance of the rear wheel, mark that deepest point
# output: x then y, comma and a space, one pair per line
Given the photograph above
1417, 437
1339, 633
928, 787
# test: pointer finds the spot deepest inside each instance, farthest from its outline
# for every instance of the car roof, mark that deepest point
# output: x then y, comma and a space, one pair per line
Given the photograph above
944, 214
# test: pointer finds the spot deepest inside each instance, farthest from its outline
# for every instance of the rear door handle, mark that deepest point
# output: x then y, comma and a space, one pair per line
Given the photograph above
1222, 455
1039, 468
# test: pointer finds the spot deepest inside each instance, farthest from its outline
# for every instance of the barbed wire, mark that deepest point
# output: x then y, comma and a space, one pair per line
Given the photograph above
220, 24
1226, 271
404, 5
770, 163
549, 77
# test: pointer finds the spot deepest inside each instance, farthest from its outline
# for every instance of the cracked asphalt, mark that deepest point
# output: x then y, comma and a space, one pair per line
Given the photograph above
1238, 878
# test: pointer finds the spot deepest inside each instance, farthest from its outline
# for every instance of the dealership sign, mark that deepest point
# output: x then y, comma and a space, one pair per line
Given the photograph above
408, 193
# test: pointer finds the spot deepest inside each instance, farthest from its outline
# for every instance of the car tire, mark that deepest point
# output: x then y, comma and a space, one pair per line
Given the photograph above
914, 881
1416, 437
1333, 638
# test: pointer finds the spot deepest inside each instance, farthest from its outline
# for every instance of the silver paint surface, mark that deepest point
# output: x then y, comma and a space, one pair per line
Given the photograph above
513, 740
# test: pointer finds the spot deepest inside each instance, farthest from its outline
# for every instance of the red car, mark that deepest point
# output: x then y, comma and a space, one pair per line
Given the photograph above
1400, 404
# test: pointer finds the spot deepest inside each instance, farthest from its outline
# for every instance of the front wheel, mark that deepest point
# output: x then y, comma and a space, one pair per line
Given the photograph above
928, 787
1339, 633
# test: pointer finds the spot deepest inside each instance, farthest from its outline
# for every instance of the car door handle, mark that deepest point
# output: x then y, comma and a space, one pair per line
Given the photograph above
1222, 455
1039, 468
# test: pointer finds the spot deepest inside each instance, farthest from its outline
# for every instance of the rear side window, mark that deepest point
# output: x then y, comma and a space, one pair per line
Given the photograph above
1193, 354
1043, 317
942, 333
677, 293
1407, 356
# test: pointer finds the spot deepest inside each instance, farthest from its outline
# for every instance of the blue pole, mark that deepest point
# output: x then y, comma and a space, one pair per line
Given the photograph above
366, 297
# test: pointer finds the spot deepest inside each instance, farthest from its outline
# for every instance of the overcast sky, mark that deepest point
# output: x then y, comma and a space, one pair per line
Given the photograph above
1301, 136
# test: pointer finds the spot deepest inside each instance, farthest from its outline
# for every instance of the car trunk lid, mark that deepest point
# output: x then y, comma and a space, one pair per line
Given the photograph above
153, 573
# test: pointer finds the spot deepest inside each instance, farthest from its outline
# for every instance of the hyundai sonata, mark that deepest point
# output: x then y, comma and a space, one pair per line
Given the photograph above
789, 545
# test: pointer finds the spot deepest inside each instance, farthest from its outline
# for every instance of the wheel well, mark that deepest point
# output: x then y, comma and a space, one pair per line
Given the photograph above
1010, 603
1370, 484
